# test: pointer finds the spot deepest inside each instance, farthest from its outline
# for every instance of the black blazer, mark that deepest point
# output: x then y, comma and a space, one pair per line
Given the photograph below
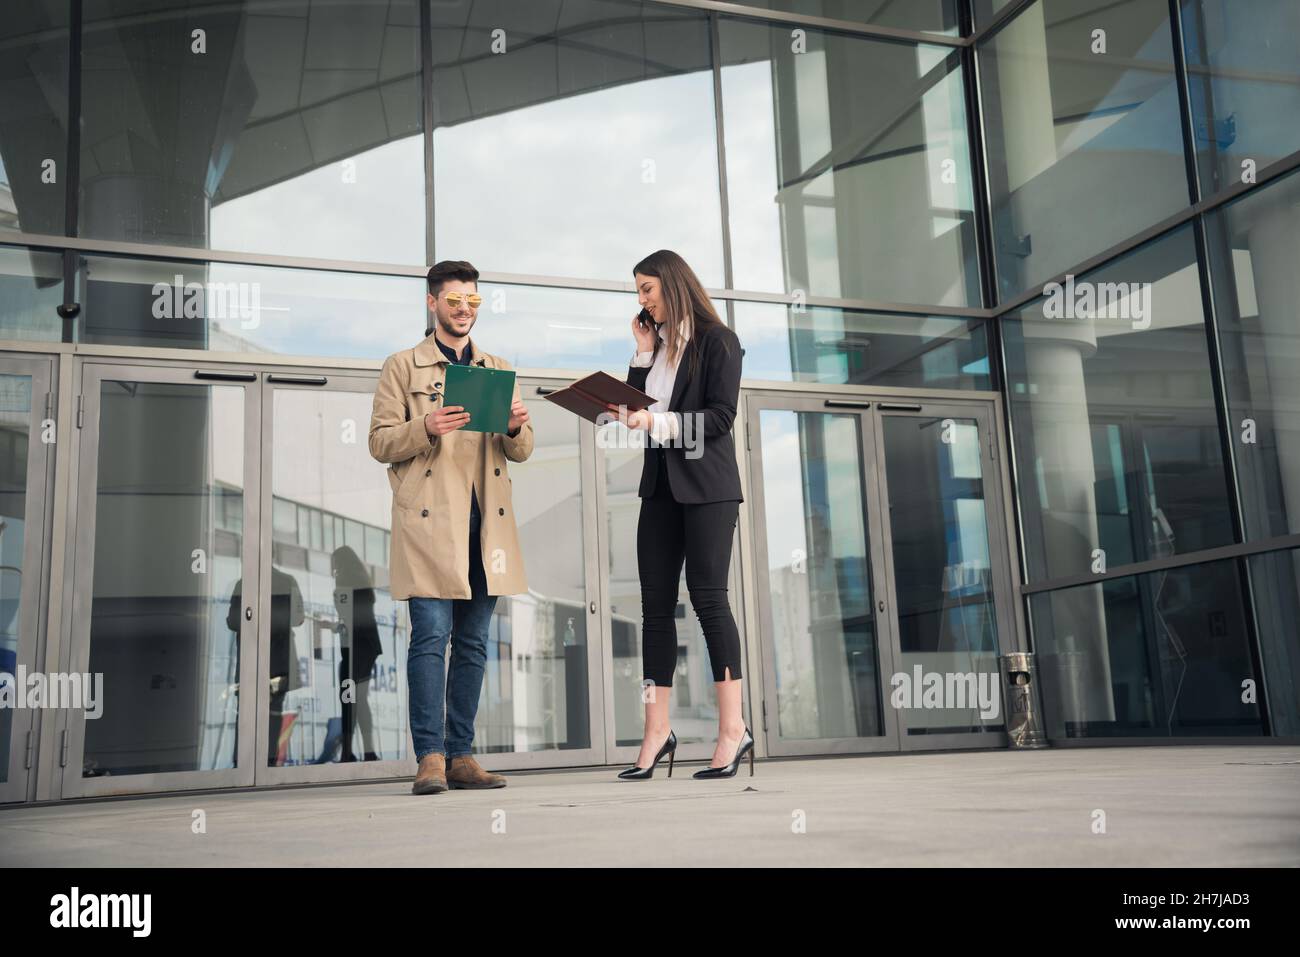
713, 392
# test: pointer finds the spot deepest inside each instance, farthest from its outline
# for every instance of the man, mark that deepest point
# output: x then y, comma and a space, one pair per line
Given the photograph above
455, 547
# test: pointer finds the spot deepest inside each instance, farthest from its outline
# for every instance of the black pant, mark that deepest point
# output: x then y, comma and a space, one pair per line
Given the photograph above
667, 533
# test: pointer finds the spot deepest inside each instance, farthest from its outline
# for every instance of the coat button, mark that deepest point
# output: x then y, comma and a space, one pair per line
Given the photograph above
501, 511
498, 471
428, 472
437, 385
424, 513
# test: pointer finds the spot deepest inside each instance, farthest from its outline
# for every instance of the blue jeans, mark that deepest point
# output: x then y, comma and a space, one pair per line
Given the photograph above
464, 623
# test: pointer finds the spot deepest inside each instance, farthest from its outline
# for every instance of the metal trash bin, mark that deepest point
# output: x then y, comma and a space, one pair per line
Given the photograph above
1024, 716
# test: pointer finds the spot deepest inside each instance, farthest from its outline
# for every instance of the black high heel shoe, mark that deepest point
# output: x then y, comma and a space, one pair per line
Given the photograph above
635, 773
746, 746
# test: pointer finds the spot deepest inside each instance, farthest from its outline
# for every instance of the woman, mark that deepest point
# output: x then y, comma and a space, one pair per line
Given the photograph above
354, 601
689, 360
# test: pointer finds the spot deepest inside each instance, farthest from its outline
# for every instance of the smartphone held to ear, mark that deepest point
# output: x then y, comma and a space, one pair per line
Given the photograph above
645, 319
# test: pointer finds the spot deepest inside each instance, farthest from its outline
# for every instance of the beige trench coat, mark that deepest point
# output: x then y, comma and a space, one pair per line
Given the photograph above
431, 477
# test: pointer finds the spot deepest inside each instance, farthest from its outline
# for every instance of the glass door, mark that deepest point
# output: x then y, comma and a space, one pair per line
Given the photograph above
693, 703
949, 577
542, 697
332, 649
827, 643
884, 583
26, 438
165, 599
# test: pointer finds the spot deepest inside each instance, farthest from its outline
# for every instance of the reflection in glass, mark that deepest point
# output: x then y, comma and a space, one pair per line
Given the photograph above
31, 288
825, 644
574, 139
932, 16
295, 130
1243, 69
228, 307
693, 709
536, 691
1167, 656
947, 623
839, 193
338, 640
171, 464
1118, 455
544, 327
15, 437
1254, 247
1085, 144
1275, 584
848, 347
33, 116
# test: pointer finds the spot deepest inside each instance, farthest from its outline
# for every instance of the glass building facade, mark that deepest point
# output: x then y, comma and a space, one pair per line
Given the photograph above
1017, 283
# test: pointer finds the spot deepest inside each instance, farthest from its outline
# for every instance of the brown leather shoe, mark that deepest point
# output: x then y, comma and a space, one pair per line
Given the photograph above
464, 772
432, 776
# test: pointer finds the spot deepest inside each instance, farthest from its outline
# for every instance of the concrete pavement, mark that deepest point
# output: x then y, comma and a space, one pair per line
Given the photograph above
1170, 806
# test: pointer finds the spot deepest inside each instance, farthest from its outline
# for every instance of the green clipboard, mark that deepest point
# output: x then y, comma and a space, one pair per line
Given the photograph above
485, 393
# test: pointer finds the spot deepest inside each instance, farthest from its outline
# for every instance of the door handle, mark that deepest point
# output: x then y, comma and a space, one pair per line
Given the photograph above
297, 379
880, 606
219, 376
845, 404
248, 613
593, 607
544, 390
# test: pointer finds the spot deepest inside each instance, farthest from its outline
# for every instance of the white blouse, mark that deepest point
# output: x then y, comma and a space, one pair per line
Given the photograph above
664, 426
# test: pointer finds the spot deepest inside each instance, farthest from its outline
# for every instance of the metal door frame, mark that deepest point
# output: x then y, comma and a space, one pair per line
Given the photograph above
1004, 595
315, 378
627, 754
871, 406
25, 727
78, 596
886, 641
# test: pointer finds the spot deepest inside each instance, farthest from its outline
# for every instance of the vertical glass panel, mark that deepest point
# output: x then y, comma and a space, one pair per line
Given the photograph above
296, 129
31, 288
164, 628
848, 347
1118, 452
15, 437
1275, 584
332, 616
544, 327
573, 139
823, 627
986, 10
1083, 131
693, 707
1162, 654
947, 622
537, 695
228, 307
1254, 248
848, 168
34, 116
933, 16
1243, 69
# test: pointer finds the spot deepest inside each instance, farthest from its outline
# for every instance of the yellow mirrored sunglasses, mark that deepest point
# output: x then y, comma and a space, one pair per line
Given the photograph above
454, 299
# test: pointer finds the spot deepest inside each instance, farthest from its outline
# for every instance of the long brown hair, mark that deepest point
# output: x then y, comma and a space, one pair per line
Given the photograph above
684, 299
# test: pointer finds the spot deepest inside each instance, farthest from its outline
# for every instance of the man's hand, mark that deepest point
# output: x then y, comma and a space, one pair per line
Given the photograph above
518, 416
447, 419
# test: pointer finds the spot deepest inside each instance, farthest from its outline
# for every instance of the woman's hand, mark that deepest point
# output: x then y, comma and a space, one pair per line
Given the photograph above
633, 420
645, 335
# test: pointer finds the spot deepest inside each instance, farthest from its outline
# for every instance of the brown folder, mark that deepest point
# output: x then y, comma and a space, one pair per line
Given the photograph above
587, 396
